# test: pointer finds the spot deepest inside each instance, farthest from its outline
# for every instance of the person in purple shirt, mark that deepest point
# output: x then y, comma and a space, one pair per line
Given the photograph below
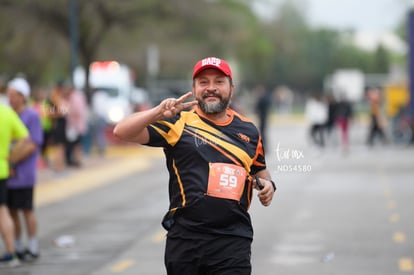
23, 177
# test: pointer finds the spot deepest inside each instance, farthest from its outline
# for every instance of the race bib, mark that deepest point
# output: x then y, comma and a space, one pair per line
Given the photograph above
226, 181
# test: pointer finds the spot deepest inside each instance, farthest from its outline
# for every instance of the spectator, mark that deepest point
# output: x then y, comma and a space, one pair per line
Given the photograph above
316, 113
331, 119
22, 182
43, 107
263, 104
343, 116
76, 124
376, 128
12, 129
3, 92
58, 112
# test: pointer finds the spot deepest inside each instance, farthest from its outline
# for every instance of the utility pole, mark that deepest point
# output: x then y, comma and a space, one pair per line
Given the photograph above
153, 67
410, 35
74, 39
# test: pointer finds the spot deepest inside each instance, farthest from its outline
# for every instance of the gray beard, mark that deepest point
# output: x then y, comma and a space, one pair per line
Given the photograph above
213, 108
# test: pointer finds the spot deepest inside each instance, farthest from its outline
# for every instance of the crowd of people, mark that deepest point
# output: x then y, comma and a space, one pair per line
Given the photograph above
18, 173
40, 127
329, 115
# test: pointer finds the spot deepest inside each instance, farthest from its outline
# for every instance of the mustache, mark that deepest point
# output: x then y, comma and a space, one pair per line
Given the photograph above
207, 94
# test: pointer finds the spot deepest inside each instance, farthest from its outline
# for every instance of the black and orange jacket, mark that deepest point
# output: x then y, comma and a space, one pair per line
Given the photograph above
191, 142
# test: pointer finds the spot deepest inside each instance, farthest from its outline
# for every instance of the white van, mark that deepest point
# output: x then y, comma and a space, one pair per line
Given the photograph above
112, 87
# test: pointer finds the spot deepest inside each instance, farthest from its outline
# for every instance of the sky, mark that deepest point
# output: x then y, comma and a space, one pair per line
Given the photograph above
373, 20
363, 15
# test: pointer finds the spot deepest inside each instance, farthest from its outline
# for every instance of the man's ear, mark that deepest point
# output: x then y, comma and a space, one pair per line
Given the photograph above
231, 91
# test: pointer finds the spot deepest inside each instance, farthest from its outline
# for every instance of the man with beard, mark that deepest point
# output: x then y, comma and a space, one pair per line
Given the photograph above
213, 157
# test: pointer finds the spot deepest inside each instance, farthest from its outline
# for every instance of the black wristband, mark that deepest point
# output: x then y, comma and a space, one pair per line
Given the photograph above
274, 185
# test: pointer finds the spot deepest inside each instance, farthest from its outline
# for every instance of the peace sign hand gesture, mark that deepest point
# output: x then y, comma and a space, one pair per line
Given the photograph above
171, 106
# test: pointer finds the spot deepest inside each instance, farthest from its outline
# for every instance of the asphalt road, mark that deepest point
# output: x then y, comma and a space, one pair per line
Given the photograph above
333, 213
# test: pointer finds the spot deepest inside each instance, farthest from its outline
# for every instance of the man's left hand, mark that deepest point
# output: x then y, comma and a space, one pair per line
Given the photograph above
266, 194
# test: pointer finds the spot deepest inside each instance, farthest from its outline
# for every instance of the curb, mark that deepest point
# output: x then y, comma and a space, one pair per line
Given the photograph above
119, 162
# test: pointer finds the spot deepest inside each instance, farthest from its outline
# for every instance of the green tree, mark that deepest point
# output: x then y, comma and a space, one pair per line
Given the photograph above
122, 30
282, 51
381, 60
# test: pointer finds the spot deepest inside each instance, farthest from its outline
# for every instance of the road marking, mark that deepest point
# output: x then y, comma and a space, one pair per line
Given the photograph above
297, 248
134, 151
394, 218
391, 204
158, 237
82, 181
122, 161
287, 120
122, 265
387, 193
406, 265
399, 237
292, 259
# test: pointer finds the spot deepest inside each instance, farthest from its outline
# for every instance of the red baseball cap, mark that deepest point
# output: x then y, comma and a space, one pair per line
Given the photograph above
212, 63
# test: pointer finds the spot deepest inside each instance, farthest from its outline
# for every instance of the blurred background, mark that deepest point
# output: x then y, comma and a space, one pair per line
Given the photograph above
300, 45
328, 82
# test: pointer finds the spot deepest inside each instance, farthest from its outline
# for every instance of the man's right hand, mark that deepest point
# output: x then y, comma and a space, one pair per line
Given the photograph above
171, 106
134, 127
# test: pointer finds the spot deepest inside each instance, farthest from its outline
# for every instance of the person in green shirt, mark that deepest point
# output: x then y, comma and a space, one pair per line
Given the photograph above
43, 107
12, 129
